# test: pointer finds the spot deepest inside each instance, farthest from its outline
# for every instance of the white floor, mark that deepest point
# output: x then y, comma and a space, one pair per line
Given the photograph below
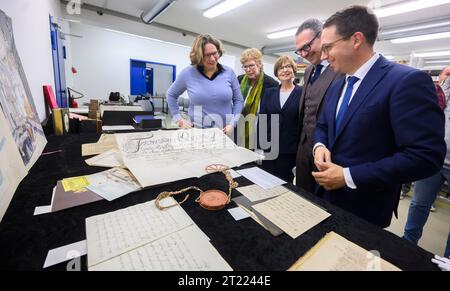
436, 230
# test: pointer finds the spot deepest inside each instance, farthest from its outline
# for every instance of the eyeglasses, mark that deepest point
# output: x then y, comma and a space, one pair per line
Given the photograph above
307, 47
249, 67
327, 47
285, 67
213, 54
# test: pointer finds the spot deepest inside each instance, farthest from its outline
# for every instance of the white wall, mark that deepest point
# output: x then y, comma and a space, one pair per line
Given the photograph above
162, 77
102, 57
30, 19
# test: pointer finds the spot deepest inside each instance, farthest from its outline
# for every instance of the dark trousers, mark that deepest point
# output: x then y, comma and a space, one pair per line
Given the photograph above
303, 175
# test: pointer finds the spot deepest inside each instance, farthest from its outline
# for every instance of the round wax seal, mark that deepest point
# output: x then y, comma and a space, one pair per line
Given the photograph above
213, 200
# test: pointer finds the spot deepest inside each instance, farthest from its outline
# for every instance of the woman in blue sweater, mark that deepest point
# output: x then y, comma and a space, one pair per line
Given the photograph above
214, 93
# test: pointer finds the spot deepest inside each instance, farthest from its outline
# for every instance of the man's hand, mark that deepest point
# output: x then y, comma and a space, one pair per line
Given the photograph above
185, 124
443, 263
331, 176
321, 156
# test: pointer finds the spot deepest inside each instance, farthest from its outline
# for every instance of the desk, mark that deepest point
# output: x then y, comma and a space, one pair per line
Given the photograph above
81, 110
164, 105
26, 239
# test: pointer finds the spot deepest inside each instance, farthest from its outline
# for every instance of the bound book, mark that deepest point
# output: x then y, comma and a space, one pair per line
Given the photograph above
63, 200
61, 121
148, 121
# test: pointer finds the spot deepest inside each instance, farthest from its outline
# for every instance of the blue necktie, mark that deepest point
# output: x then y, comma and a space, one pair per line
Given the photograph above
317, 71
346, 100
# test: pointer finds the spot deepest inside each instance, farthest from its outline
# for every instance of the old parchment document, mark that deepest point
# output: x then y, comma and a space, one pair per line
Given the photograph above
166, 156
335, 253
142, 237
292, 213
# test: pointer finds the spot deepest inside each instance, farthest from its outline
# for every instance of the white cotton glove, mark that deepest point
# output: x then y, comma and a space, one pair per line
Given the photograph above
443, 263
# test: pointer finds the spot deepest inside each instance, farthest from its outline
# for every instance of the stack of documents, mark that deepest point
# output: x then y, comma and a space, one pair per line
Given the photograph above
275, 207
144, 238
161, 157
109, 159
65, 199
262, 178
335, 253
105, 143
113, 184
292, 213
255, 193
110, 185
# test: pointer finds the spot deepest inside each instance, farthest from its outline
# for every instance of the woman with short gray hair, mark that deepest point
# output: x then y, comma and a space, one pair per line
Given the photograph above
253, 84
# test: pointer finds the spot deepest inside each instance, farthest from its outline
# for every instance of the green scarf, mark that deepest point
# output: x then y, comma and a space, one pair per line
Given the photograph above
251, 105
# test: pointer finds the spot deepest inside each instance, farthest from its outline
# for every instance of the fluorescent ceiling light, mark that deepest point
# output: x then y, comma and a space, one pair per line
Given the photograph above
282, 34
421, 37
432, 54
224, 7
413, 28
408, 7
281, 48
149, 16
71, 20
389, 57
438, 62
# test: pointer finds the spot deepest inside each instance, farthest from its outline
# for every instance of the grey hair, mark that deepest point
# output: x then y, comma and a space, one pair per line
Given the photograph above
314, 24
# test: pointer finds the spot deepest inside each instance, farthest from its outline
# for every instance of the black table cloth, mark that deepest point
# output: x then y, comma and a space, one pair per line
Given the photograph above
25, 239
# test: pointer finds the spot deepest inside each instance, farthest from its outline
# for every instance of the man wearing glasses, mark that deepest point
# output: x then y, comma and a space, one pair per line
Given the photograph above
381, 125
317, 79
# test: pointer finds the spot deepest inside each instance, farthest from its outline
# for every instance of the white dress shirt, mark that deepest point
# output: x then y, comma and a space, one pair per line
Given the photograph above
284, 96
325, 65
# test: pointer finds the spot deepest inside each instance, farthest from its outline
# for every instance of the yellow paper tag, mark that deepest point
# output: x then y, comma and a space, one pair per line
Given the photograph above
75, 184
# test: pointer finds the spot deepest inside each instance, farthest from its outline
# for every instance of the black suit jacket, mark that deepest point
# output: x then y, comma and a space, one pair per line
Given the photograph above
269, 82
270, 104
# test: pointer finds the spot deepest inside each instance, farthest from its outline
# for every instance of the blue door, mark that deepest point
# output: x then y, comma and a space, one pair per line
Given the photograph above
138, 75
142, 77
58, 53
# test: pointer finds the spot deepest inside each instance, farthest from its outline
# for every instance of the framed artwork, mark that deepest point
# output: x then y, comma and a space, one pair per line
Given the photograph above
22, 139
16, 100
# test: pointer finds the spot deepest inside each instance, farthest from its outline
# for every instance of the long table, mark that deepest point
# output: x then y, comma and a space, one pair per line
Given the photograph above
25, 239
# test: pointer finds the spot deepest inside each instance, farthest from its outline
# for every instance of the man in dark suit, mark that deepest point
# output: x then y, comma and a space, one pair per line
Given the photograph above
317, 79
381, 125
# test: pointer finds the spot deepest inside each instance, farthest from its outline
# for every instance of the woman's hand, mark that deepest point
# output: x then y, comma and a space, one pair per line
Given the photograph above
228, 129
185, 124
